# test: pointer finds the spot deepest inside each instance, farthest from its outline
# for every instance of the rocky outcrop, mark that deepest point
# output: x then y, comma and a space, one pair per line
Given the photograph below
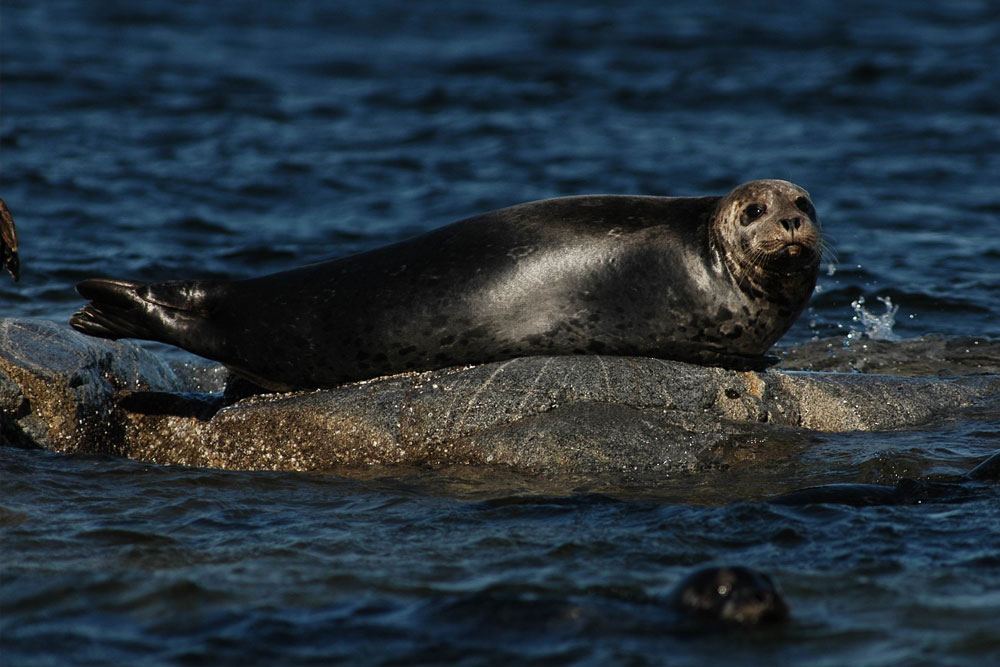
69, 393
59, 391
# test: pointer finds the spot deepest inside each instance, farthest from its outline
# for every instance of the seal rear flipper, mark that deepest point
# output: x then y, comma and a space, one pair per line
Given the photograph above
170, 312
114, 310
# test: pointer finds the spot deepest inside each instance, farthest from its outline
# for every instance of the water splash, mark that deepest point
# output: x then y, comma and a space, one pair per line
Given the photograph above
875, 327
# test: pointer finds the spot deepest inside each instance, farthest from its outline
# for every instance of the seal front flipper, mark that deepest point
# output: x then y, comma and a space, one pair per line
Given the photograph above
168, 312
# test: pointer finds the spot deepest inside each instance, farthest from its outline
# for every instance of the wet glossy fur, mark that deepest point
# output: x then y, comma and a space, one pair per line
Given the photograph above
598, 274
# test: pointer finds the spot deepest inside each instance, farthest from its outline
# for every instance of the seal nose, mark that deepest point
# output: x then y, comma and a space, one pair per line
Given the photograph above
791, 223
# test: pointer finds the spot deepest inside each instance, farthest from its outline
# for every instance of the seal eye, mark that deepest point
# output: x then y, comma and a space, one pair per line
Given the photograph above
805, 206
752, 212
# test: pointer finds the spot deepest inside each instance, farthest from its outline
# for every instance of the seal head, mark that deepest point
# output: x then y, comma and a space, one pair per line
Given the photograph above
735, 594
768, 233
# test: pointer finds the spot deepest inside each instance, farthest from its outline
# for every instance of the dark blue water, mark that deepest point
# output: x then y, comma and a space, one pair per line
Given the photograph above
161, 139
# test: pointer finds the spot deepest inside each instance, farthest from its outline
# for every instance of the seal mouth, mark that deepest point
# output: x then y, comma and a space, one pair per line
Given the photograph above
791, 256
796, 252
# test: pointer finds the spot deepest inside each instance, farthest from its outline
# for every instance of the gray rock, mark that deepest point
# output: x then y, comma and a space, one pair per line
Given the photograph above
63, 391
58, 390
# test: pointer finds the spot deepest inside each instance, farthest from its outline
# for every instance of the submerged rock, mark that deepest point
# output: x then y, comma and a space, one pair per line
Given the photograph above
927, 355
588, 414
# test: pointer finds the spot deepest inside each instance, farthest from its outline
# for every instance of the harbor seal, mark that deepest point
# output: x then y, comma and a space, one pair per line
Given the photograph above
710, 280
707, 601
733, 594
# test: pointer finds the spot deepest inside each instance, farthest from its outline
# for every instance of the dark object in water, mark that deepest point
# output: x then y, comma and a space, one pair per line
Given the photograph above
733, 594
905, 492
8, 243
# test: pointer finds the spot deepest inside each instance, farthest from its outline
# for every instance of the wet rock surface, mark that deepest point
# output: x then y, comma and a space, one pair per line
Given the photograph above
59, 391
65, 392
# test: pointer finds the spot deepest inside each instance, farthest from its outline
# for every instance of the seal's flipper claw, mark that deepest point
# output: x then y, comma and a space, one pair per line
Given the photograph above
174, 312
116, 309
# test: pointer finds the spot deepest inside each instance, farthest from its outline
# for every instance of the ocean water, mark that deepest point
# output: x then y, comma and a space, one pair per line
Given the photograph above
159, 140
